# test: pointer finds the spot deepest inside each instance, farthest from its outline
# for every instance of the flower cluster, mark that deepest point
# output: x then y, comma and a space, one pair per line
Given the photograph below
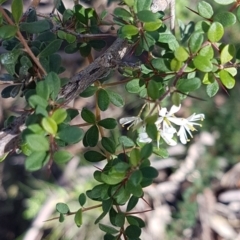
164, 124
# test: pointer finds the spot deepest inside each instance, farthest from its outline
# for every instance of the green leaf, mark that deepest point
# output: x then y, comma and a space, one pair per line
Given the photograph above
212, 89
224, 2
108, 144
146, 151
115, 98
162, 152
227, 53
17, 10
149, 172
82, 199
93, 156
7, 31
175, 64
130, 3
215, 32
132, 203
91, 136
37, 142
108, 123
36, 100
122, 13
225, 18
153, 89
135, 190
161, 64
152, 131
62, 208
54, 84
126, 142
147, 16
103, 99
51, 48
85, 49
108, 229
188, 85
88, 92
49, 125
71, 134
142, 5
132, 220
205, 9
61, 218
133, 86
35, 27
195, 42
152, 26
128, 30
62, 156
207, 52
202, 63
78, 218
136, 178
42, 90
135, 157
120, 219
133, 232
112, 179
36, 160
88, 116
227, 79
59, 115
181, 54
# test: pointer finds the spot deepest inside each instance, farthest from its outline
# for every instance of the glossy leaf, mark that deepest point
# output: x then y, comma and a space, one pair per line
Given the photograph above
108, 123
91, 136
152, 26
133, 232
205, 9
103, 99
35, 27
129, 30
122, 13
78, 218
195, 42
115, 98
132, 203
108, 144
88, 116
227, 53
17, 10
93, 156
36, 100
7, 31
51, 48
202, 63
71, 134
82, 199
225, 18
149, 172
207, 51
153, 89
62, 208
146, 150
62, 156
147, 16
227, 79
212, 89
59, 115
135, 157
54, 84
36, 160
215, 32
108, 229
188, 85
181, 54
37, 142
142, 5
136, 221
126, 142
88, 92
49, 125
224, 2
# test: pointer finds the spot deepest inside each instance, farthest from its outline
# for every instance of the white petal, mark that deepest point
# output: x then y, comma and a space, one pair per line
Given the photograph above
143, 137
173, 110
127, 120
163, 112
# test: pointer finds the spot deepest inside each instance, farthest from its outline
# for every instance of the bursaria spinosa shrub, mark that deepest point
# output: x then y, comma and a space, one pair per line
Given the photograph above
171, 68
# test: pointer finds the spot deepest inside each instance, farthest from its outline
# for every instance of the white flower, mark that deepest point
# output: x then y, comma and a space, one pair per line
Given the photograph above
187, 125
133, 120
143, 136
167, 134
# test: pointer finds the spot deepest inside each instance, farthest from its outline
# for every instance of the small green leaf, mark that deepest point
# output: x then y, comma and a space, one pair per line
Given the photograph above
132, 203
42, 90
71, 134
133, 86
135, 157
93, 156
7, 31
195, 42
103, 99
108, 144
133, 232
36, 160
51, 48
136, 178
227, 53
215, 32
108, 229
225, 18
128, 30
88, 92
162, 152
37, 142
62, 156
207, 52
181, 54
132, 220
112, 179
49, 125
175, 64
115, 98
54, 84
91, 136
152, 131
146, 151
120, 219
205, 9
82, 199
224, 2
35, 27
227, 79
61, 218
152, 26
212, 89
147, 16
142, 5
62, 208
59, 115
17, 10
36, 100
153, 89
88, 116
122, 13
126, 142
188, 85
149, 172
202, 63
78, 218
108, 123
